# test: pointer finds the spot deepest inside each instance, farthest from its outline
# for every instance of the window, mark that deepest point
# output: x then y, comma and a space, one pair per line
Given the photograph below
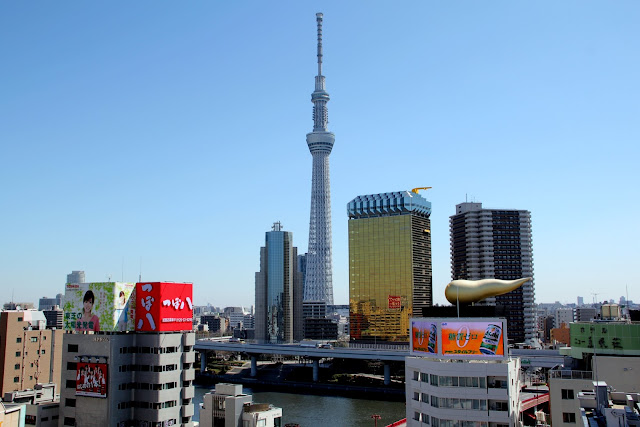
70, 384
34, 339
71, 366
425, 418
19, 319
70, 402
424, 377
68, 421
41, 351
71, 348
17, 366
16, 379
568, 417
18, 354
416, 375
416, 416
30, 419
416, 396
19, 339
425, 398
567, 394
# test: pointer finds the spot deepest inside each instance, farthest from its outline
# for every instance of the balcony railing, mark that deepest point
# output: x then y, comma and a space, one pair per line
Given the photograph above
571, 375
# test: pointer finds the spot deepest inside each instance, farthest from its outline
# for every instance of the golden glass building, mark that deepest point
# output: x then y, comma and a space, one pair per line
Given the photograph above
389, 264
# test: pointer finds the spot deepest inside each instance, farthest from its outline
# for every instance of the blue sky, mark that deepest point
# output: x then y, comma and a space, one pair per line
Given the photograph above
174, 133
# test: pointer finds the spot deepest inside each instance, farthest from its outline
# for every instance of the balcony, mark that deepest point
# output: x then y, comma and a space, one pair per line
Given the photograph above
188, 392
189, 357
187, 411
188, 374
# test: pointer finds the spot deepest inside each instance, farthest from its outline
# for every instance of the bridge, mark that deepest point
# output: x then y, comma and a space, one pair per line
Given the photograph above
528, 357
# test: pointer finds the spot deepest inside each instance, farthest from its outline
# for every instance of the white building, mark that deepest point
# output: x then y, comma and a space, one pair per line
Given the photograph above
454, 392
228, 406
564, 315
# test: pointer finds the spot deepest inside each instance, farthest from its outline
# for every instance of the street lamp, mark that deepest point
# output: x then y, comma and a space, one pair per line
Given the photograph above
375, 417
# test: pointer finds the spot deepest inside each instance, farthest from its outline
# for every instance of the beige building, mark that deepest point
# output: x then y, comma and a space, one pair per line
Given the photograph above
29, 353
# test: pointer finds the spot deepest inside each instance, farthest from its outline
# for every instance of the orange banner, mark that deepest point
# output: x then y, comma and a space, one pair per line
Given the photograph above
472, 339
424, 337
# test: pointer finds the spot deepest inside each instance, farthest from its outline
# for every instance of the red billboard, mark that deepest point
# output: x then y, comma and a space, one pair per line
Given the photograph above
395, 302
91, 379
164, 306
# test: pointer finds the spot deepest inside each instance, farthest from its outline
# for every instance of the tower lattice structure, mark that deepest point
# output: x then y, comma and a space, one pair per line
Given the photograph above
318, 284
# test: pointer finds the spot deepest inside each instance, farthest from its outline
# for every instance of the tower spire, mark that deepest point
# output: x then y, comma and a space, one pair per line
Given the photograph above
319, 20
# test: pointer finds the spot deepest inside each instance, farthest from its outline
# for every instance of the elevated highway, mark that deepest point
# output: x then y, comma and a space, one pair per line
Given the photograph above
528, 357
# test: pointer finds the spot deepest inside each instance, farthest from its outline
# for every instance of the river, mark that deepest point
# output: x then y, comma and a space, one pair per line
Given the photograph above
315, 411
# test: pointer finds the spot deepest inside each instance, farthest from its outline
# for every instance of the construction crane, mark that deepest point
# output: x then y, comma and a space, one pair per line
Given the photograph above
415, 190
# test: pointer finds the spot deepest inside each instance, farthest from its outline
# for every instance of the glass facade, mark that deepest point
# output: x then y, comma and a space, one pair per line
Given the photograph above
276, 248
389, 265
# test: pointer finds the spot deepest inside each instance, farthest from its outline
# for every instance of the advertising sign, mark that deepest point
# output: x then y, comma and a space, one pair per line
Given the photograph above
91, 379
107, 306
474, 338
424, 336
395, 302
164, 306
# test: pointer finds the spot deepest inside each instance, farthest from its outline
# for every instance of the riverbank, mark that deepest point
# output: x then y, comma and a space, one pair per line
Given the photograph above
287, 379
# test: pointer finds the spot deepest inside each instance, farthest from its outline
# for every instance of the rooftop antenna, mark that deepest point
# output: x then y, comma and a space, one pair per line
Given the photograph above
122, 277
140, 275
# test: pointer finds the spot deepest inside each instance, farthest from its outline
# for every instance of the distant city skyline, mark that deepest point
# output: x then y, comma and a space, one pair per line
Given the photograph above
163, 139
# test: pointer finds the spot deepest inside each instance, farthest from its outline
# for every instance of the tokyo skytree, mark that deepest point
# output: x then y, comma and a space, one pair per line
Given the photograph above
318, 284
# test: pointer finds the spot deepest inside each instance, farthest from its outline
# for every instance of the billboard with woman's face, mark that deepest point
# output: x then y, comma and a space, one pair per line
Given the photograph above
108, 306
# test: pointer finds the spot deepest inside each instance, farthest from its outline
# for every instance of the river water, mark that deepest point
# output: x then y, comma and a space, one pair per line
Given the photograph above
317, 411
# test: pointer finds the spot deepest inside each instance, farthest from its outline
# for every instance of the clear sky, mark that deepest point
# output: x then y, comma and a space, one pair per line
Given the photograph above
172, 134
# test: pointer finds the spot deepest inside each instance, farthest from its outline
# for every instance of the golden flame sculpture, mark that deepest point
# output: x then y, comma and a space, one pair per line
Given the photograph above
466, 291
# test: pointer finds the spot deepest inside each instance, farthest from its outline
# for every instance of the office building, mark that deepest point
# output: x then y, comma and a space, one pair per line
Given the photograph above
46, 303
449, 392
128, 378
600, 351
55, 317
76, 277
585, 314
496, 244
318, 285
564, 315
29, 352
278, 314
390, 276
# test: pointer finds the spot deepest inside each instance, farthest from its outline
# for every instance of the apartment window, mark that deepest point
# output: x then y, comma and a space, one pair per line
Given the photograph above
41, 351
416, 375
567, 394
416, 396
568, 417
425, 418
424, 377
72, 348
70, 384
34, 339
17, 366
19, 339
19, 319
18, 354
68, 421
71, 366
70, 402
425, 398
416, 416
16, 379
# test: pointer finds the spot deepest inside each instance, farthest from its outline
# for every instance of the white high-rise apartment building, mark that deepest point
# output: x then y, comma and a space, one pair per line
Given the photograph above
496, 244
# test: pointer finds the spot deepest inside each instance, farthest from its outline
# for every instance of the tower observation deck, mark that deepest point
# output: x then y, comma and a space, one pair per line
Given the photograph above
318, 284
